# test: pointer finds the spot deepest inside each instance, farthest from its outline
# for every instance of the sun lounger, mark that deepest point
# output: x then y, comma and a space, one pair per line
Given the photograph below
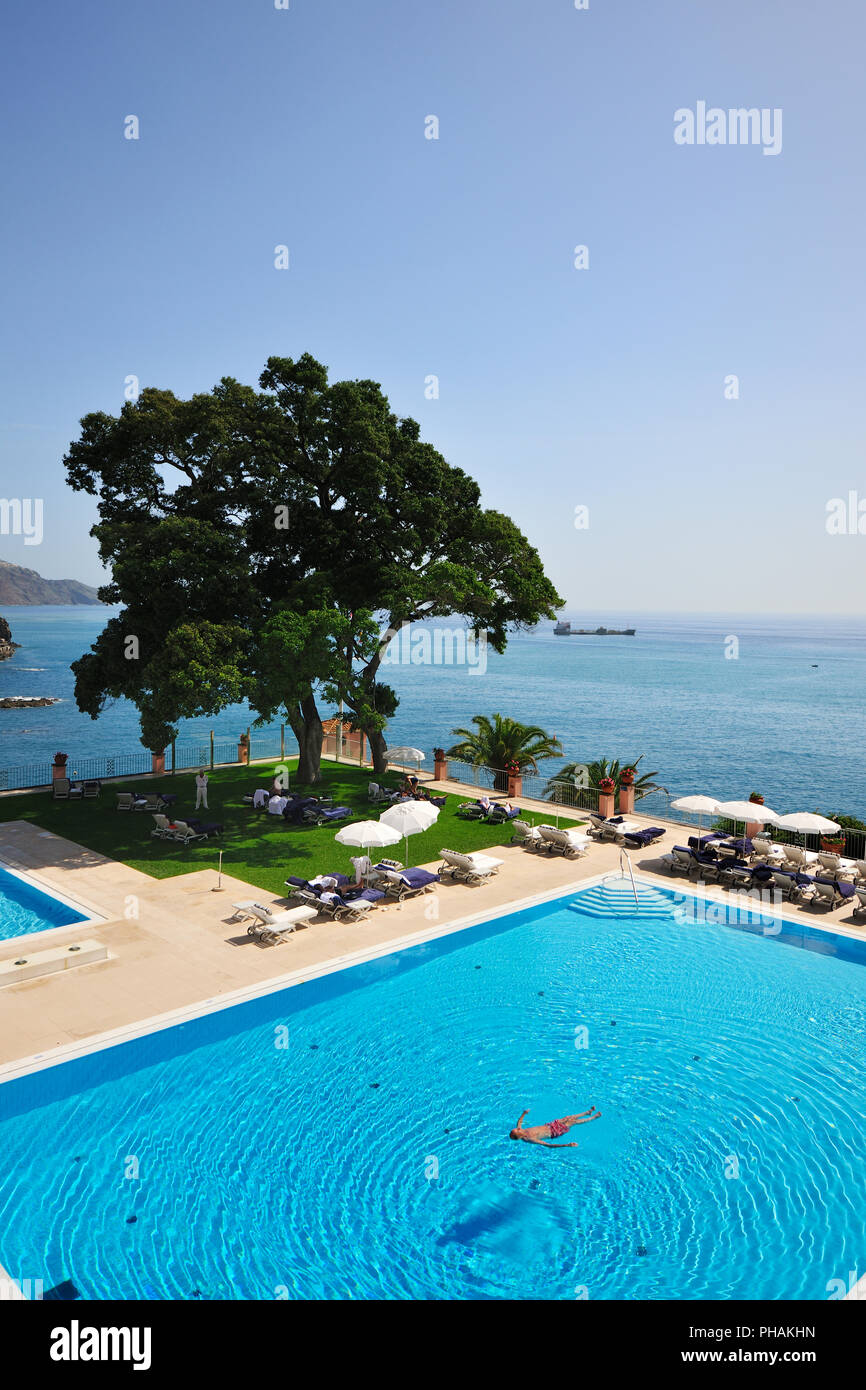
861, 899
472, 810
679, 860
468, 868
324, 815
409, 883
497, 815
832, 894
183, 832
569, 842
705, 866
642, 839
162, 828
735, 874
375, 793
273, 927
131, 801
383, 866
527, 835
244, 910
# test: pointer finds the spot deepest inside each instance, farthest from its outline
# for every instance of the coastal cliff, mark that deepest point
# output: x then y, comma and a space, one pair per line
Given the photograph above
23, 586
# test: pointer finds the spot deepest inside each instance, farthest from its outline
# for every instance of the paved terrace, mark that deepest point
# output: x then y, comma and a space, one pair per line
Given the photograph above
172, 947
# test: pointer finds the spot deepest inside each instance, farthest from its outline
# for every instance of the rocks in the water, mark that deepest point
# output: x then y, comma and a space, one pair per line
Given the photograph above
26, 701
7, 646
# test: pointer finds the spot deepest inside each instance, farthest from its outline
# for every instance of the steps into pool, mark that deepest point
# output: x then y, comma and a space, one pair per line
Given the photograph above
614, 897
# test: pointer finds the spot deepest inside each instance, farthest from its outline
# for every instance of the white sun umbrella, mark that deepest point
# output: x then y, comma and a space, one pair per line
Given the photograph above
699, 805
368, 834
410, 818
807, 823
746, 811
406, 755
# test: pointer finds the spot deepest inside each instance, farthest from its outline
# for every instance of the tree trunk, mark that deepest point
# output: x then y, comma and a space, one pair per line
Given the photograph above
306, 725
378, 751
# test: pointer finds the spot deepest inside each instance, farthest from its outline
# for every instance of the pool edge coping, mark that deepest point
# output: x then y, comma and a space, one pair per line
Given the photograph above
187, 1013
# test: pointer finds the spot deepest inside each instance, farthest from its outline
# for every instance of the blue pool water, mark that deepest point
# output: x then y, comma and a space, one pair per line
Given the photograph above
24, 909
728, 1066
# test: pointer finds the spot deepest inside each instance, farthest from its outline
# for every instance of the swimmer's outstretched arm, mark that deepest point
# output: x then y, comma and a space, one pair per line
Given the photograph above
520, 1121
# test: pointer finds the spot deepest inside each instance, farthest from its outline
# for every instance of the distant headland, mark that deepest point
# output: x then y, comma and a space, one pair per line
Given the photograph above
22, 586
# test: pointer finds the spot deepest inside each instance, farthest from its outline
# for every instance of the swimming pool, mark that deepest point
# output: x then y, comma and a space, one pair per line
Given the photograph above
347, 1138
24, 908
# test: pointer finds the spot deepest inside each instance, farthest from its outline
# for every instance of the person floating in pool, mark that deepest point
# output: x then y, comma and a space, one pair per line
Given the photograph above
539, 1134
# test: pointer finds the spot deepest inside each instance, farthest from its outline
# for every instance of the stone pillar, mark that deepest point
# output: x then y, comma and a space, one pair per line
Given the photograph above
243, 751
626, 799
606, 804
753, 827
59, 771
157, 762
515, 786
440, 769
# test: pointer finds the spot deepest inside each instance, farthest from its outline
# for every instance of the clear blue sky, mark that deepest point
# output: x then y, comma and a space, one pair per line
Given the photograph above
558, 387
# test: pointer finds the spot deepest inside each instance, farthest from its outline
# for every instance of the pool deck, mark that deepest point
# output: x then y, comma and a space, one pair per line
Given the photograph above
173, 949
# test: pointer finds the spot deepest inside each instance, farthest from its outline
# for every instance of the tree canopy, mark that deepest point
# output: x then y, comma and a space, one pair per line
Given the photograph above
258, 540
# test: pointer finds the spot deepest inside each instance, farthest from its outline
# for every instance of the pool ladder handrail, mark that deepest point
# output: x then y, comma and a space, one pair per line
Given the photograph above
623, 854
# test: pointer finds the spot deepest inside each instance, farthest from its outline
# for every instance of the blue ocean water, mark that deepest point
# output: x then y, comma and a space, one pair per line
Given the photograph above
24, 909
783, 717
349, 1138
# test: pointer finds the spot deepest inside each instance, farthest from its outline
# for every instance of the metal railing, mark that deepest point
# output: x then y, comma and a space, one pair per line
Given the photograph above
624, 855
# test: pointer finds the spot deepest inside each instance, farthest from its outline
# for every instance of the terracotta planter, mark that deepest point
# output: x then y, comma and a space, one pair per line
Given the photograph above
606, 803
515, 786
157, 762
626, 798
440, 769
59, 771
753, 828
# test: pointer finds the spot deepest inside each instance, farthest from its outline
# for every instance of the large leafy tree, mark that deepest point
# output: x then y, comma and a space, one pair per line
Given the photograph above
280, 522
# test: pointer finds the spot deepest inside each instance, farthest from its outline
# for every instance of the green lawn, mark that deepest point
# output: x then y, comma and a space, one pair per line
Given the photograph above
258, 848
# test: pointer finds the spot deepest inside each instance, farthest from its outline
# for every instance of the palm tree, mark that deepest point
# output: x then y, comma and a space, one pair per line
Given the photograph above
595, 772
504, 745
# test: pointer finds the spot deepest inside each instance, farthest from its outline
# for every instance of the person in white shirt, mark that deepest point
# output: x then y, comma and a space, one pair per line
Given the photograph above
201, 789
277, 805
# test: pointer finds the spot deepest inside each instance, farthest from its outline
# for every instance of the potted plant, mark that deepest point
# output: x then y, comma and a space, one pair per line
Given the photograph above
61, 759
832, 846
607, 784
439, 755
756, 798
627, 777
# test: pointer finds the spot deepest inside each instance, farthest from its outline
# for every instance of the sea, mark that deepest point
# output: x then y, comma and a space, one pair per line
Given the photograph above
719, 704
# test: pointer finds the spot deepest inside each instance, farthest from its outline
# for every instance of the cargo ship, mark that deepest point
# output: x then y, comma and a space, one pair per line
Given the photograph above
566, 630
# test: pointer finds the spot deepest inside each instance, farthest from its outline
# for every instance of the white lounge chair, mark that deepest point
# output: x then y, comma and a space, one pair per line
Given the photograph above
184, 833
860, 870
527, 835
273, 927
469, 868
794, 855
679, 860
861, 899
162, 829
830, 863
826, 895
570, 842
